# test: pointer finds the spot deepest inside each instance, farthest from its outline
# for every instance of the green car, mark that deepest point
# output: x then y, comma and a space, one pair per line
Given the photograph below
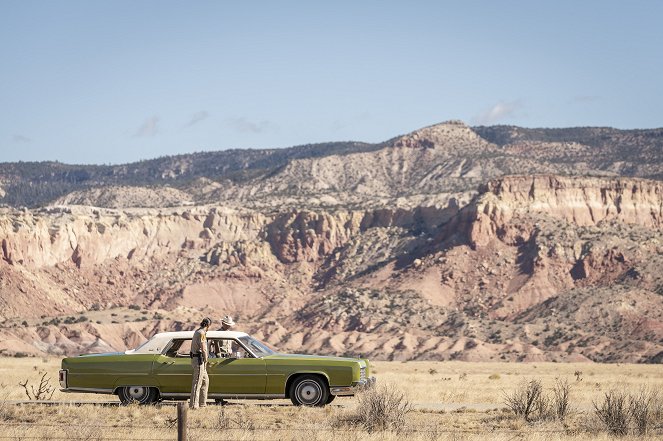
160, 369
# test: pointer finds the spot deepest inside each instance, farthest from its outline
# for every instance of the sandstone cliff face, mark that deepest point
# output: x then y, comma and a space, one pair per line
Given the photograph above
580, 201
91, 236
520, 272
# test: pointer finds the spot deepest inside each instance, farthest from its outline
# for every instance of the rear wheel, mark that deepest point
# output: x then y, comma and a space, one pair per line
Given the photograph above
330, 399
309, 390
138, 394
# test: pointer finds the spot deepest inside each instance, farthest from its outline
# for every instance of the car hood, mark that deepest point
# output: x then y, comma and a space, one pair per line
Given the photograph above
104, 354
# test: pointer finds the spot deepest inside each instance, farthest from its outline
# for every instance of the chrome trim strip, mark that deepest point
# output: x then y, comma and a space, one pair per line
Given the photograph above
86, 390
230, 396
120, 374
159, 374
219, 375
250, 396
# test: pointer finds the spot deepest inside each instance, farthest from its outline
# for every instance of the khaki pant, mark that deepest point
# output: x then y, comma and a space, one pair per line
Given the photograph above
199, 385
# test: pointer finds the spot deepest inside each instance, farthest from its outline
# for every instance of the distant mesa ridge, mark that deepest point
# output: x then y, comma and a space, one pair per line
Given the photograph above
449, 155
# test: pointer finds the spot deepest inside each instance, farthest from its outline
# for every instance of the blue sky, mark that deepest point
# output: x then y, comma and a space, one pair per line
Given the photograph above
119, 81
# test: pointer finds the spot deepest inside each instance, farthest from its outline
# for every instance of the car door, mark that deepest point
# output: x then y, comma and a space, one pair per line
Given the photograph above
240, 374
173, 368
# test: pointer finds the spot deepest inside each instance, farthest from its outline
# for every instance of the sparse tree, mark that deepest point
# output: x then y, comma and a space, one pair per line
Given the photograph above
523, 401
613, 412
44, 391
560, 399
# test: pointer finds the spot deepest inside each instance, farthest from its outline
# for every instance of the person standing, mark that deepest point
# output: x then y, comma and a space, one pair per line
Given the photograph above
222, 348
226, 345
199, 356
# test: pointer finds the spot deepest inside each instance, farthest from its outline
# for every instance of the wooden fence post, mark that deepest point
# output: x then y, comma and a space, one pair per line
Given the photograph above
182, 422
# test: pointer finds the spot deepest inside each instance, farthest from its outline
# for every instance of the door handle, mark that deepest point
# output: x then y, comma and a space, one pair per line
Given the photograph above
168, 362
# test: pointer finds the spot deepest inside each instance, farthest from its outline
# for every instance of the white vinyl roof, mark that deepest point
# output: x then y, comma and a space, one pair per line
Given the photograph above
156, 344
210, 334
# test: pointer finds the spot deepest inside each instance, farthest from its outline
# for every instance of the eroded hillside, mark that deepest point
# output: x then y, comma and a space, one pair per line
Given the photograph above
541, 267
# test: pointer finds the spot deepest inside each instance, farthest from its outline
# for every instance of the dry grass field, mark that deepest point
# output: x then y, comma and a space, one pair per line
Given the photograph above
449, 401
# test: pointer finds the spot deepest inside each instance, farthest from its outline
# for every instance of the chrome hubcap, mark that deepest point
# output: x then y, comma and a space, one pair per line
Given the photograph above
137, 392
309, 392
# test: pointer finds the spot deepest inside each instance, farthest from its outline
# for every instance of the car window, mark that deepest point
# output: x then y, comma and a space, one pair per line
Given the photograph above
240, 352
255, 346
227, 348
185, 349
179, 348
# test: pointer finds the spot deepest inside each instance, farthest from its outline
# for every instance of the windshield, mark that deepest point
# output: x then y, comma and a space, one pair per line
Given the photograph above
259, 348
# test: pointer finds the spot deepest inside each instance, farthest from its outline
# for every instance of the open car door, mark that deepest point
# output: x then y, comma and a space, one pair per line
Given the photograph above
173, 368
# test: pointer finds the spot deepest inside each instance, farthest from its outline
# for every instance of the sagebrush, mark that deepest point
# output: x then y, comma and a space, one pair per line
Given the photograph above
380, 408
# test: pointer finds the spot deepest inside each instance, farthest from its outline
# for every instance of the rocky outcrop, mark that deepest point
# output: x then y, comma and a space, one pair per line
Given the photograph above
127, 197
578, 201
452, 136
90, 236
310, 236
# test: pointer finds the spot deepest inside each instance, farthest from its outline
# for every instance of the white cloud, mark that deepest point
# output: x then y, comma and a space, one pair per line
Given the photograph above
148, 128
20, 139
197, 117
243, 125
498, 112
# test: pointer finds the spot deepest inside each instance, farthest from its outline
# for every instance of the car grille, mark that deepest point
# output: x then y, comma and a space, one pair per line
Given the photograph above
362, 374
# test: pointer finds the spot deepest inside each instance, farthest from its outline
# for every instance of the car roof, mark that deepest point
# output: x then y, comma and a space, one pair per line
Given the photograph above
210, 334
160, 340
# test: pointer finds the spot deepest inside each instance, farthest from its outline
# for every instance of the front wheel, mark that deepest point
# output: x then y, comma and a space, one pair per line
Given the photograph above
309, 390
138, 394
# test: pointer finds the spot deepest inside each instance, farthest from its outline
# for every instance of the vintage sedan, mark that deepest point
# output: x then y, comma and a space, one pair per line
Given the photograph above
160, 369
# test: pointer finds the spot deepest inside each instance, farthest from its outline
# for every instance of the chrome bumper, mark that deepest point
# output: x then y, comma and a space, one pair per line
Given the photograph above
346, 391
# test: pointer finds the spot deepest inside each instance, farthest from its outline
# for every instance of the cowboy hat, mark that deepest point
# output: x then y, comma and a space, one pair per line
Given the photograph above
228, 321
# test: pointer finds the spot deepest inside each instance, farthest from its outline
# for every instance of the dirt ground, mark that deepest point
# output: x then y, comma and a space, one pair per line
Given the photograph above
450, 401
